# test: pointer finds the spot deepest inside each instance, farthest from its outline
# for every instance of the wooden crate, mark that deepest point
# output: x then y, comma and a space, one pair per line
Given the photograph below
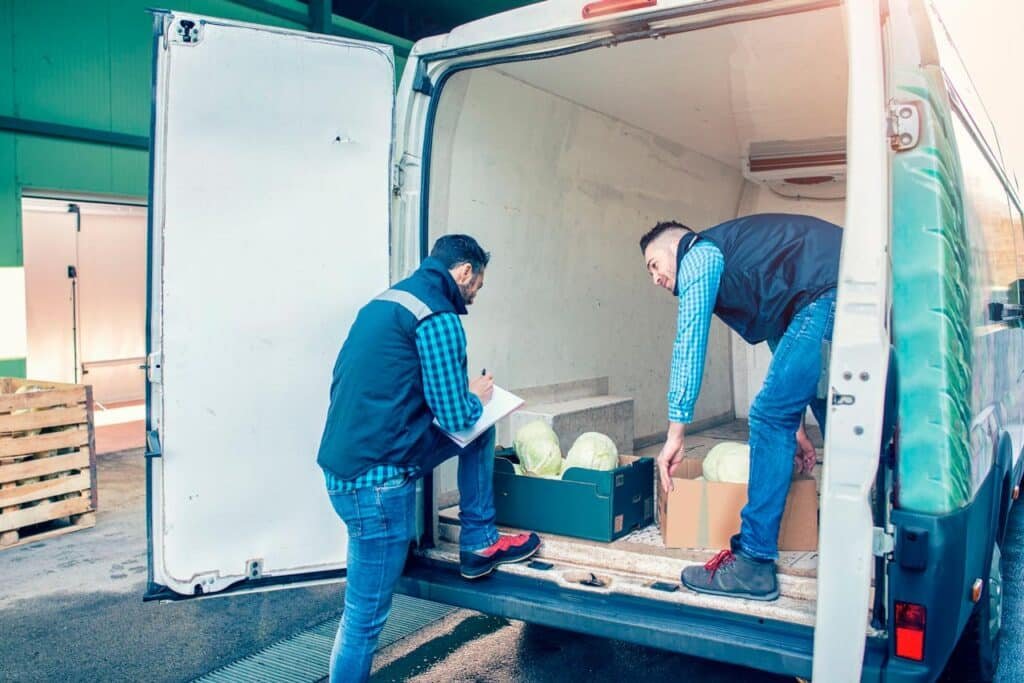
47, 460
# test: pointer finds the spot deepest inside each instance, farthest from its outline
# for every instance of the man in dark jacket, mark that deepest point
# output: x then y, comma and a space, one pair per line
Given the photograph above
770, 277
402, 366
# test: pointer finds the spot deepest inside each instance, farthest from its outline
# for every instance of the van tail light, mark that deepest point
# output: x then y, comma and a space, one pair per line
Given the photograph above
603, 8
910, 622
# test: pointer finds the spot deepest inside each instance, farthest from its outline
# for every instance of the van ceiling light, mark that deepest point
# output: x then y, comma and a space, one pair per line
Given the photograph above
603, 8
797, 159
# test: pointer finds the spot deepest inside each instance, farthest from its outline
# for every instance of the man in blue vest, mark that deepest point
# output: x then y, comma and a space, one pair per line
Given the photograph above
402, 366
770, 277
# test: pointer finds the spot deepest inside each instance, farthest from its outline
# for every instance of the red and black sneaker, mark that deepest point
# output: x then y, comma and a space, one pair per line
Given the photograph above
473, 565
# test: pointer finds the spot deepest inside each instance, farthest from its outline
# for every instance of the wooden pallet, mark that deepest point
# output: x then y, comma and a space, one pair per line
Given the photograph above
47, 460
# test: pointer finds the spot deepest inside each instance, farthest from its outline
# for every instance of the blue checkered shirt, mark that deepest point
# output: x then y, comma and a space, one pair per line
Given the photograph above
699, 274
441, 343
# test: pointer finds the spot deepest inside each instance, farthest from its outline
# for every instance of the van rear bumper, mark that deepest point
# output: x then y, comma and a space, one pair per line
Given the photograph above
763, 644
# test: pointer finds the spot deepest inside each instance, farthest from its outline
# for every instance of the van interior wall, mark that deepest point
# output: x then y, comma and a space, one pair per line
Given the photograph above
560, 194
750, 363
559, 165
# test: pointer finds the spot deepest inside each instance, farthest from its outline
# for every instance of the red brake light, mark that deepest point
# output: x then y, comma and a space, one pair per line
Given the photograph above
910, 627
604, 7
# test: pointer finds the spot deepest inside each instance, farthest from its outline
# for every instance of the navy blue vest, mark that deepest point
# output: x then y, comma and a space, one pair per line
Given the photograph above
775, 264
378, 412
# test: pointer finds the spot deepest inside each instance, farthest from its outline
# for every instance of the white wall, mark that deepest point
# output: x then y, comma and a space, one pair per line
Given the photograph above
750, 363
13, 332
560, 195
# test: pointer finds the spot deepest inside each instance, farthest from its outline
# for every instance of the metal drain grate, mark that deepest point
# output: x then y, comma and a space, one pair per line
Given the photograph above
305, 656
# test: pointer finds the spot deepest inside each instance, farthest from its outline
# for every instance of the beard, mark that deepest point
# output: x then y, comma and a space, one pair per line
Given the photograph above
467, 294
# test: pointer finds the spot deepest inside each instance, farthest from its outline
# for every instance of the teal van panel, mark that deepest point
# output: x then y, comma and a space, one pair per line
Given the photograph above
12, 367
931, 308
957, 249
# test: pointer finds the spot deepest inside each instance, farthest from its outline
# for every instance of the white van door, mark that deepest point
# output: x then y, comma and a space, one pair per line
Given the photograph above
270, 179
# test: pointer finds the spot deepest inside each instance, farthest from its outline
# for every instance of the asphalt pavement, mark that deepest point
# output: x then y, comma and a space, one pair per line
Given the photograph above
71, 610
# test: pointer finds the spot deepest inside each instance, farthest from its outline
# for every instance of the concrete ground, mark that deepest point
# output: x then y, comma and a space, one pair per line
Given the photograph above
71, 606
71, 609
471, 648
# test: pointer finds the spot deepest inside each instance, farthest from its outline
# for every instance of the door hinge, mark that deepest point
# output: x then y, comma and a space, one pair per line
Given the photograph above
903, 125
882, 543
153, 449
421, 81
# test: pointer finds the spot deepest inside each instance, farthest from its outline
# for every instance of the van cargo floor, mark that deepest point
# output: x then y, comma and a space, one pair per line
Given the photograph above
639, 564
636, 569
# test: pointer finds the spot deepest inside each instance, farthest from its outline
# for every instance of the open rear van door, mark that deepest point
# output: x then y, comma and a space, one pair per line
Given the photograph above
859, 365
270, 193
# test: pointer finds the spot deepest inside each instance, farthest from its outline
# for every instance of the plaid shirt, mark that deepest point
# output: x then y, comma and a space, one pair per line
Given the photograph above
441, 343
699, 274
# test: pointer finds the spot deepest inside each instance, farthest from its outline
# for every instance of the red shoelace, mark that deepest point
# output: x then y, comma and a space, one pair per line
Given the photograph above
504, 543
722, 559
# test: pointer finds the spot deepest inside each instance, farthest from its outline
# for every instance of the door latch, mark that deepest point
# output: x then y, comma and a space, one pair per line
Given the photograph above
842, 399
1000, 312
187, 32
903, 125
397, 179
154, 367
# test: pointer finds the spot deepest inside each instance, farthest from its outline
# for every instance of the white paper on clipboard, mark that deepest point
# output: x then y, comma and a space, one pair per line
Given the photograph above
501, 404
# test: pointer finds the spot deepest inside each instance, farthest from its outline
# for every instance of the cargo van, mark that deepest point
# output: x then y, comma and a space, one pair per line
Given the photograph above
291, 184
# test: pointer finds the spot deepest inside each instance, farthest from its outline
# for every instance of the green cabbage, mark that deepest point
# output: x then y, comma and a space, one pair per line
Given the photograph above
593, 451
728, 462
537, 446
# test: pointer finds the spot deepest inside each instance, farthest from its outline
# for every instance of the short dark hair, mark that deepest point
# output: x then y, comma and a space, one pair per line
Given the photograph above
656, 232
454, 250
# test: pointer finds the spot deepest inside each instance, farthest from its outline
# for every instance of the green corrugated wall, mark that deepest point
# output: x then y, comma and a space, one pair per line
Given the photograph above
86, 63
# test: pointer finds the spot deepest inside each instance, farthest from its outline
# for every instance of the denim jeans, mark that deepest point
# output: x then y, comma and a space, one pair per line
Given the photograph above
381, 523
789, 388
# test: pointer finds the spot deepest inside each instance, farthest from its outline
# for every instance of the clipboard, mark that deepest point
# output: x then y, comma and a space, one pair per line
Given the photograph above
502, 403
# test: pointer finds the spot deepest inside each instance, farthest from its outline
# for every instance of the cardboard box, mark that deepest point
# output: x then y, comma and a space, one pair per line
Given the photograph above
705, 514
600, 506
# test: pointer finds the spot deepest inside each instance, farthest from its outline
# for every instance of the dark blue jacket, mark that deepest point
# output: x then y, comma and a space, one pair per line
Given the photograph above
775, 264
378, 412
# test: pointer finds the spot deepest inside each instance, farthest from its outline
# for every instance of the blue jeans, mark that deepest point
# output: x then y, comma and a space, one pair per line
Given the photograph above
789, 388
381, 522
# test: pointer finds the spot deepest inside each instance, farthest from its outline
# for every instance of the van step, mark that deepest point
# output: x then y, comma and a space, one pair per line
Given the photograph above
589, 577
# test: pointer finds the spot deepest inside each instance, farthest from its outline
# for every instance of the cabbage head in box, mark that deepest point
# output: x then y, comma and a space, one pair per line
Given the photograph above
593, 451
538, 451
728, 462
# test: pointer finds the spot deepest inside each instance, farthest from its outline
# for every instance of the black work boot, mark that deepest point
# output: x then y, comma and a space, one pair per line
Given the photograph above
733, 575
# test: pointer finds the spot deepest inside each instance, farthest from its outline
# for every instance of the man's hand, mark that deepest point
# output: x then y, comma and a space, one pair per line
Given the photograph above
806, 456
671, 453
483, 387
